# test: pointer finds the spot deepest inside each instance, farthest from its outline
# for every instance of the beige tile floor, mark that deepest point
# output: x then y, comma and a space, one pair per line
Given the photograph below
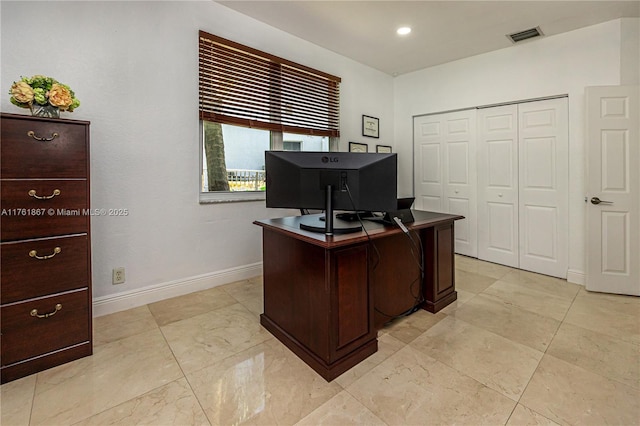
516, 348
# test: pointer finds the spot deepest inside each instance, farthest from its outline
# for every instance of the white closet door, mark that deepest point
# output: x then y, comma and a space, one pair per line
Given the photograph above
460, 178
498, 185
445, 171
523, 186
543, 186
428, 138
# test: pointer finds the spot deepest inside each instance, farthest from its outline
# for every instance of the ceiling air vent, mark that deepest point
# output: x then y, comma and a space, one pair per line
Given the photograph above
525, 35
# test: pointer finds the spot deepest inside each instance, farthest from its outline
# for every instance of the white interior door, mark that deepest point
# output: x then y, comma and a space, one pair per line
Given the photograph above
445, 171
613, 177
498, 184
543, 139
460, 178
523, 186
428, 139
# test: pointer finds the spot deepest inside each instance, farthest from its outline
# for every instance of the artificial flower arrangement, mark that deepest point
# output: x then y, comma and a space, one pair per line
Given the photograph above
42, 90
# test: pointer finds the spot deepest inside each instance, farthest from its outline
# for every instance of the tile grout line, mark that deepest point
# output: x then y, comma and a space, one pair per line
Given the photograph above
517, 402
610, 336
184, 375
541, 358
33, 397
157, 387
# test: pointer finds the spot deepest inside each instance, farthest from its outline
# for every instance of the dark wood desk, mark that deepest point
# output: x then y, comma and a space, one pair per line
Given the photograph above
325, 298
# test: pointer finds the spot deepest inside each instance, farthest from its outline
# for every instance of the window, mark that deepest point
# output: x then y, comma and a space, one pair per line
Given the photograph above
251, 101
292, 145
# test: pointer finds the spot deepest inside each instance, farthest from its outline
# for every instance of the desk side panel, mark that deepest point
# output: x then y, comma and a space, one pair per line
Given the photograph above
439, 280
296, 294
395, 277
354, 320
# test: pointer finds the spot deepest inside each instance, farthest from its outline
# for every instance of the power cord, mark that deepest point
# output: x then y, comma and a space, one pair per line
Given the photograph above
369, 240
419, 297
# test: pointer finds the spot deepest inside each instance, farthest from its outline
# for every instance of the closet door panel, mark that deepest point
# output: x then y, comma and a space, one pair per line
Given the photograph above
543, 193
498, 185
501, 228
463, 233
460, 177
428, 137
541, 244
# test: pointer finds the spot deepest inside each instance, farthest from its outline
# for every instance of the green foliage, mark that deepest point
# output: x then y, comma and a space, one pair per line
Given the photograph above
40, 82
18, 104
40, 95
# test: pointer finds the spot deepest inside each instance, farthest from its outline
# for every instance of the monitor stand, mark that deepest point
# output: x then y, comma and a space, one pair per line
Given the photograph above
315, 224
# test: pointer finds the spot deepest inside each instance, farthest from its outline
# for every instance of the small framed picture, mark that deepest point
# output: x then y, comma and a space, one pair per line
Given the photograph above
370, 126
358, 147
384, 149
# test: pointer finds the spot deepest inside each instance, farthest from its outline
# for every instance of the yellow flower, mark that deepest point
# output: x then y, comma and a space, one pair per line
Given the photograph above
22, 92
60, 96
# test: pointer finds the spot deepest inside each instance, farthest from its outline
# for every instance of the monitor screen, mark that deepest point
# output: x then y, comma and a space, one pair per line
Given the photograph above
354, 181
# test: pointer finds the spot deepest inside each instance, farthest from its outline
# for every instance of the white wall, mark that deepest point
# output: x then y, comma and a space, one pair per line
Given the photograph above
134, 67
562, 64
630, 51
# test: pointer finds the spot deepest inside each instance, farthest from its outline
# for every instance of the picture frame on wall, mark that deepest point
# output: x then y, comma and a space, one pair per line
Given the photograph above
383, 149
358, 147
370, 126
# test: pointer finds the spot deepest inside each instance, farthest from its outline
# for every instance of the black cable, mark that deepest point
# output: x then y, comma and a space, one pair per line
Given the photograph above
369, 240
419, 298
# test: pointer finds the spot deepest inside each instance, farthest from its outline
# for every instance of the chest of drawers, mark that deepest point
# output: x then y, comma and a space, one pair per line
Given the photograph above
45, 248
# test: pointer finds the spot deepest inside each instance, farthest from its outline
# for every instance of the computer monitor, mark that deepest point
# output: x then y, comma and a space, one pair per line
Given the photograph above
331, 181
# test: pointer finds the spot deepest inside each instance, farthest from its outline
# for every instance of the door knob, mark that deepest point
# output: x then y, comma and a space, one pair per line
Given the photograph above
596, 200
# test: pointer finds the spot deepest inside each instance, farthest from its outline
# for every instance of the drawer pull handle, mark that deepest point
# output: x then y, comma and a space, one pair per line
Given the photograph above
34, 253
32, 134
34, 312
32, 193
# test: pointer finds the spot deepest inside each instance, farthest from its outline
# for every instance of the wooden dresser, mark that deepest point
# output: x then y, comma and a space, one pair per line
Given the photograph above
45, 250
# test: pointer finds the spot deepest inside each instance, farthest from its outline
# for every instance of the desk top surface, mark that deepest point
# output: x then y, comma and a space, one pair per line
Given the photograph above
291, 226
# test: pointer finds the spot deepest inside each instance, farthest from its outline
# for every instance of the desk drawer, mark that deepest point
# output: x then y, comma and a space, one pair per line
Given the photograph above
58, 211
22, 155
25, 335
58, 264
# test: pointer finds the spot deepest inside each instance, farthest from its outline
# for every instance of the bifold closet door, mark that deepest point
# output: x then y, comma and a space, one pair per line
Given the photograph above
523, 186
543, 136
498, 185
428, 138
445, 171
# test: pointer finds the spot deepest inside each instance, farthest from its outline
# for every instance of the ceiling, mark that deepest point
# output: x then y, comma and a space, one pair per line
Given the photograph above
442, 31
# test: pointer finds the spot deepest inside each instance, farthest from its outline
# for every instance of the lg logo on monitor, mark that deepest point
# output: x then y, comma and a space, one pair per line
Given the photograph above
326, 159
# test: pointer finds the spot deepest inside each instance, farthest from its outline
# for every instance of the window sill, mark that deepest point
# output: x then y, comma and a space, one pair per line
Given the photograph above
230, 197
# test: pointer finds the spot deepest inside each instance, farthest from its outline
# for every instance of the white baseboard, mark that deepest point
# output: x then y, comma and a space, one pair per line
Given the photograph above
131, 299
576, 277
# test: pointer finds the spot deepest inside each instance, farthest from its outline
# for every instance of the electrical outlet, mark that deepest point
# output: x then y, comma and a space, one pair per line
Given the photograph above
118, 275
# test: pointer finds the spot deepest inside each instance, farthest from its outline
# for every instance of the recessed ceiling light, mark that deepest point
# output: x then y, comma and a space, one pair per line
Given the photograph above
403, 30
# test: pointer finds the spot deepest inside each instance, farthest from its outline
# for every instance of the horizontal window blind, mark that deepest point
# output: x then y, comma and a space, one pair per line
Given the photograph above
244, 86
